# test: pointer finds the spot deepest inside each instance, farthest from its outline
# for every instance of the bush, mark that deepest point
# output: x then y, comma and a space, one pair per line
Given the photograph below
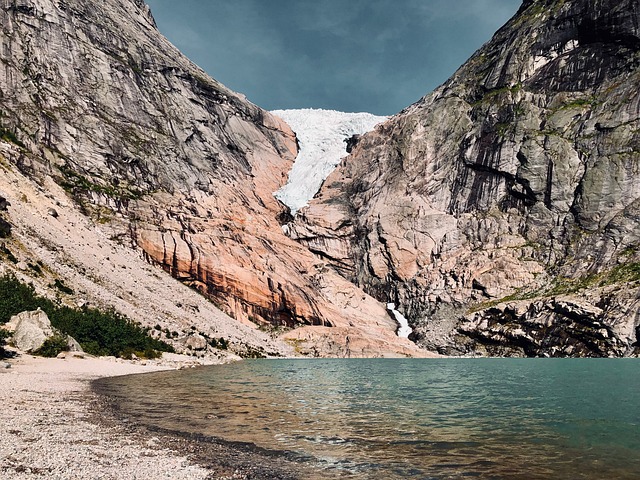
98, 332
3, 337
62, 287
53, 346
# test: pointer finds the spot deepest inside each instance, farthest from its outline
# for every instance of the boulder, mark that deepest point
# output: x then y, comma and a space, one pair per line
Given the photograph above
73, 345
196, 342
31, 330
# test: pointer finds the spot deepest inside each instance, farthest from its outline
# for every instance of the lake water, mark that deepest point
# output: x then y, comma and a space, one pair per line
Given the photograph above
429, 419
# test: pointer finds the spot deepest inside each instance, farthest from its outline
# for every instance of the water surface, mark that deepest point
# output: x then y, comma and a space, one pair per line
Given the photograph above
428, 418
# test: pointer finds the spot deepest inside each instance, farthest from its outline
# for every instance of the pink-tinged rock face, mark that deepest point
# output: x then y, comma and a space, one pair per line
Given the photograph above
167, 160
520, 171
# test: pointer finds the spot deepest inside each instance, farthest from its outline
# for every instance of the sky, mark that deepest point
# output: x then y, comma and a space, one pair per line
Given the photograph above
376, 56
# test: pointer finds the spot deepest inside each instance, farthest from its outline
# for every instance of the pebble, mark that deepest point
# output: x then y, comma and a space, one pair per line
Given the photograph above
46, 433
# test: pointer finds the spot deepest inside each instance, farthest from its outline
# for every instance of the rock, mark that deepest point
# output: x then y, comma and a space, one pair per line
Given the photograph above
73, 345
4, 204
519, 171
4, 365
31, 330
173, 164
560, 327
196, 342
52, 212
79, 355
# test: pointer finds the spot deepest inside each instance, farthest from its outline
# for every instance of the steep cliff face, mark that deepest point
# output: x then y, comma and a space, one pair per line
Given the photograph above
516, 179
165, 159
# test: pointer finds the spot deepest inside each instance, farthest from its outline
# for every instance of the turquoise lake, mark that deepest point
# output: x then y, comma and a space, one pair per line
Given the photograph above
427, 419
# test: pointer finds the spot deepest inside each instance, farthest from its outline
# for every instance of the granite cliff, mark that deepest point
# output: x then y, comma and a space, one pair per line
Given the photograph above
136, 149
500, 212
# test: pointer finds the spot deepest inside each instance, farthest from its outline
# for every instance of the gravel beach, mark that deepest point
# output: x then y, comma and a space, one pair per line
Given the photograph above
54, 426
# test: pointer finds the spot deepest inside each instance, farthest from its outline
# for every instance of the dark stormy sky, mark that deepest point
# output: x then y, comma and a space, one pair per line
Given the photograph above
377, 56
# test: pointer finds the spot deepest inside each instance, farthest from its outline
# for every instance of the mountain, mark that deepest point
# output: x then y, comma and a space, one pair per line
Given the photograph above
119, 155
498, 215
500, 212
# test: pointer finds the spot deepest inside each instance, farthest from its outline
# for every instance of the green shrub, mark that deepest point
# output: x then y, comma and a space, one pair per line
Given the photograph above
10, 136
62, 287
98, 332
53, 346
219, 343
8, 253
3, 337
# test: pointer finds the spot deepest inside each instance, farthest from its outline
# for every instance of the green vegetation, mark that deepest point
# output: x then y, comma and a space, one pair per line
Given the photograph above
3, 337
62, 287
9, 136
35, 267
73, 182
98, 332
578, 103
219, 343
5, 228
491, 95
625, 273
53, 346
8, 254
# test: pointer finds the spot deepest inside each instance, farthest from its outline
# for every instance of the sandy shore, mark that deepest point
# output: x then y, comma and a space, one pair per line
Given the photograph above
53, 426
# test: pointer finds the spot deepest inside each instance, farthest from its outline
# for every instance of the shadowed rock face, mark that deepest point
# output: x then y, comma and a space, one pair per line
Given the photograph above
519, 171
167, 160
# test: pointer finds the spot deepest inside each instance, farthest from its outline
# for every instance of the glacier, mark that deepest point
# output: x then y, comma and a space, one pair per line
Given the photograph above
322, 136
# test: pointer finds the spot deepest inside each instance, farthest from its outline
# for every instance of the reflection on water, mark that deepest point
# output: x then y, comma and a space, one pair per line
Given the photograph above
437, 419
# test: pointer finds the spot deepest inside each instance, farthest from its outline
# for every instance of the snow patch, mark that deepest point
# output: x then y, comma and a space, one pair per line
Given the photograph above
404, 330
321, 135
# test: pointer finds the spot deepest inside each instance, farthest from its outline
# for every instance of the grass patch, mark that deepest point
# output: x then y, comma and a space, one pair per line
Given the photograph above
491, 96
629, 272
74, 182
578, 103
9, 136
98, 332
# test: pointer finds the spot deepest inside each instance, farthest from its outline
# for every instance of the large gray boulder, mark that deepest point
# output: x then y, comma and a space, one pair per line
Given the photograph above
32, 329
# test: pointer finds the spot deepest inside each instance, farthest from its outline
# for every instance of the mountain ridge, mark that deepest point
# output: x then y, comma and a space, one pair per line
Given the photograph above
498, 213
163, 159
513, 180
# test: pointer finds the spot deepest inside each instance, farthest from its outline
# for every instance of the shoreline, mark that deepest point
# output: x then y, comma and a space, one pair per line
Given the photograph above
56, 425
